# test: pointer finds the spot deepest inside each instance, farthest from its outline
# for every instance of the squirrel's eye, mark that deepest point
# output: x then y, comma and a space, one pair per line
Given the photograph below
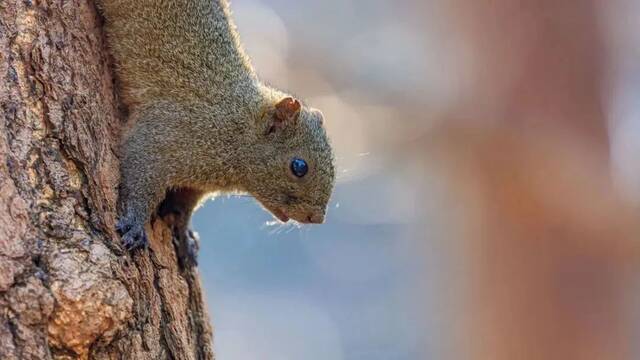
299, 167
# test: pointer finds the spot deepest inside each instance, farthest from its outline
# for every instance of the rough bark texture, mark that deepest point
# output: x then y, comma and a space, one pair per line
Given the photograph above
67, 289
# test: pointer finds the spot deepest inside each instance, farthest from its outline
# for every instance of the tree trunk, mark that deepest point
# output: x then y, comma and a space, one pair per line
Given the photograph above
67, 288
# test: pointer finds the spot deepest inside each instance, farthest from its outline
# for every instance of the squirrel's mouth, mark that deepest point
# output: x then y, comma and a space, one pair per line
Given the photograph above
275, 211
280, 214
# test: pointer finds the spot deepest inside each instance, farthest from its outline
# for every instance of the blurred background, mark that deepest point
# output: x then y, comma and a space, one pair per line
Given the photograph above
489, 175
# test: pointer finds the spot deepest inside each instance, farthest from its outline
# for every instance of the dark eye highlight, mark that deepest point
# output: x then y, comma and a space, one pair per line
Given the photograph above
299, 167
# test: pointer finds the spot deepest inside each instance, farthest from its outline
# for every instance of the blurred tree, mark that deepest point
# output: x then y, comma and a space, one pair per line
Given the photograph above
549, 240
549, 248
67, 290
536, 65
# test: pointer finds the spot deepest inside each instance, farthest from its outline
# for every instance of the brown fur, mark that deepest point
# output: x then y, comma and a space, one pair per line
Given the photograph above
202, 120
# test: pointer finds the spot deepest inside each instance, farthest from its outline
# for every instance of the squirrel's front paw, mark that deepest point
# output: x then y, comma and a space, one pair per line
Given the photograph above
193, 246
133, 234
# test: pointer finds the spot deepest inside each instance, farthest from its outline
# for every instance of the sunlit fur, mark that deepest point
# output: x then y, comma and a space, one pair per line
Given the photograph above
200, 116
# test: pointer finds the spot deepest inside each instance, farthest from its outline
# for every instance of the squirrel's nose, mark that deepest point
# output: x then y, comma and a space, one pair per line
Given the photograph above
315, 218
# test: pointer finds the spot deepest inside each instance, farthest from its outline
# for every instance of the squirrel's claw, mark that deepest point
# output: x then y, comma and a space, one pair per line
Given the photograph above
133, 236
135, 240
122, 227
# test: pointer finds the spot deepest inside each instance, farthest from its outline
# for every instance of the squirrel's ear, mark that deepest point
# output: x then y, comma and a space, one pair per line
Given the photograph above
287, 110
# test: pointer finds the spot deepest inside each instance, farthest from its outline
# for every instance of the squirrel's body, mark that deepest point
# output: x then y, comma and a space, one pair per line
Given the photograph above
203, 122
178, 50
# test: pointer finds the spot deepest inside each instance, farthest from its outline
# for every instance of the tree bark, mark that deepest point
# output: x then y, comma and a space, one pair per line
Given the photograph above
67, 288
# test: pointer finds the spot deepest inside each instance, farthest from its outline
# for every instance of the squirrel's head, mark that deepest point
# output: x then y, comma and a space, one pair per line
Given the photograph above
292, 168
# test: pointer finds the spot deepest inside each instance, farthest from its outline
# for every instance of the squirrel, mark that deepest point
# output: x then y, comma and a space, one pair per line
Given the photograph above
202, 122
